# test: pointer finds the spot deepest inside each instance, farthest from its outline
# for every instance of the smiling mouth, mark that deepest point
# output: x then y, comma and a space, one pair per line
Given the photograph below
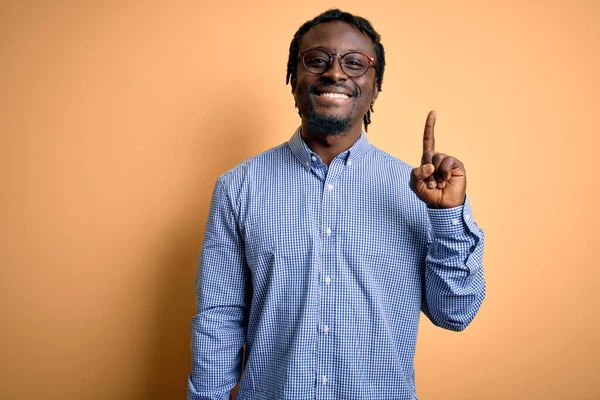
334, 95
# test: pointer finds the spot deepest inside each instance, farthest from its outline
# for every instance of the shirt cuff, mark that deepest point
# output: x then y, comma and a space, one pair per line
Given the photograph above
452, 222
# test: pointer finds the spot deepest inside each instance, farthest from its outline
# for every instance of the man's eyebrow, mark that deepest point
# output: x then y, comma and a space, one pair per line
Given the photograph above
320, 47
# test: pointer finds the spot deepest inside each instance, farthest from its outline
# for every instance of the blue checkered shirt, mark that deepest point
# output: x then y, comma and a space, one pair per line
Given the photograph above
323, 272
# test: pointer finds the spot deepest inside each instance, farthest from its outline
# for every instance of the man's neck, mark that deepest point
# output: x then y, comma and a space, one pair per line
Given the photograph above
329, 146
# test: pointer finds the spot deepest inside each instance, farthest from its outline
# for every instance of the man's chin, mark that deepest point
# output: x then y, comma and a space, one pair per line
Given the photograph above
328, 124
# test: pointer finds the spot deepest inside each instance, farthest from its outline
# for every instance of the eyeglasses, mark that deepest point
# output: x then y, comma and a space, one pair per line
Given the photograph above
353, 63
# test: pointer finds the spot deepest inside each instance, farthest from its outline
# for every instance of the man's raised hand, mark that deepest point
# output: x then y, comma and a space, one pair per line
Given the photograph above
440, 181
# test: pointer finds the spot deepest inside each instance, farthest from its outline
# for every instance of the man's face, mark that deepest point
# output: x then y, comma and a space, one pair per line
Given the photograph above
326, 114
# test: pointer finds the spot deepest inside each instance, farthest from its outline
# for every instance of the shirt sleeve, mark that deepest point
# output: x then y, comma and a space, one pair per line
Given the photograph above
218, 330
454, 281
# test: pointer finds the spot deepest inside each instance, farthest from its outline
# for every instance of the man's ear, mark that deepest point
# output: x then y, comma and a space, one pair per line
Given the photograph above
375, 92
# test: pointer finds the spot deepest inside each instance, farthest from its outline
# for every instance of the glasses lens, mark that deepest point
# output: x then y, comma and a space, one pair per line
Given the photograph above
316, 61
355, 64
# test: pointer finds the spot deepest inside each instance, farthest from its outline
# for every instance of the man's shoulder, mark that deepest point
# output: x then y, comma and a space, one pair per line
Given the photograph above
386, 160
254, 165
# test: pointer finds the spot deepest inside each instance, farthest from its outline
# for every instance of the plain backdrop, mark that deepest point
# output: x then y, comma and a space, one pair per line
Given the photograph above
116, 118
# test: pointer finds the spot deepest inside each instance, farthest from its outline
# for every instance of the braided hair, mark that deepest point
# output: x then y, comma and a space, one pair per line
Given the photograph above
337, 15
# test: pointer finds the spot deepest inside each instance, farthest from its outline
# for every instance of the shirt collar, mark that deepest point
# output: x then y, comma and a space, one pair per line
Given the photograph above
304, 154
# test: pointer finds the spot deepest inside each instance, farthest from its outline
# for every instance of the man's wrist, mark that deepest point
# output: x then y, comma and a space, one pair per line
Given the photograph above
454, 221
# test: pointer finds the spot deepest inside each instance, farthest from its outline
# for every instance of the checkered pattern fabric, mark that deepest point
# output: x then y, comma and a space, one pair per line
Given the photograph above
323, 272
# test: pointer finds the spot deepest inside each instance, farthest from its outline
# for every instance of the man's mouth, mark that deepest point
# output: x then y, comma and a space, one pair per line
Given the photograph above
334, 95
332, 92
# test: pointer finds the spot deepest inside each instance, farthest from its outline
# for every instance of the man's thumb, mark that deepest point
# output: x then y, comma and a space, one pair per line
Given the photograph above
423, 172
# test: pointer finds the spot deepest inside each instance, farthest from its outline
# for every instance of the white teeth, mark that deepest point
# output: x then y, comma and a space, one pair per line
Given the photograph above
335, 95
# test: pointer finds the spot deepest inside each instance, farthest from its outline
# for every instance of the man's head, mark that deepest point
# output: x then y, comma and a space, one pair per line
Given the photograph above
335, 86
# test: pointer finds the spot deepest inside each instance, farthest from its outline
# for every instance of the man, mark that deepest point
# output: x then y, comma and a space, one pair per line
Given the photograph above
319, 256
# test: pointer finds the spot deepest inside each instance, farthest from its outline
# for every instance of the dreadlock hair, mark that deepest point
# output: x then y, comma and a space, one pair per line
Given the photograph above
361, 24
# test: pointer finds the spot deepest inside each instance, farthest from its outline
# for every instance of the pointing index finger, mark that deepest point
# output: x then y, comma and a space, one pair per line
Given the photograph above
428, 135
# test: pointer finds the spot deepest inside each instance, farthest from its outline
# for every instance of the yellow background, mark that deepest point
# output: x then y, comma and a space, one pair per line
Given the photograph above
116, 118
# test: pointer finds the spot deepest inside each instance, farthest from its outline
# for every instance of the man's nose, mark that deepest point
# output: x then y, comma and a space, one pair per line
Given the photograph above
335, 71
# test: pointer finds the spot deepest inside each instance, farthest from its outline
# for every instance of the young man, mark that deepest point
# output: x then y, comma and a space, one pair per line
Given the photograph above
321, 253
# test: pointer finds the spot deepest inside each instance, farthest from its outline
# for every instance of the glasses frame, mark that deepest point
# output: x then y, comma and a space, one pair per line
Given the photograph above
331, 55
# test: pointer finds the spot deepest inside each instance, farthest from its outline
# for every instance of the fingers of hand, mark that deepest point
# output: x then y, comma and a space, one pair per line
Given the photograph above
431, 157
442, 169
423, 172
442, 174
446, 167
418, 176
428, 134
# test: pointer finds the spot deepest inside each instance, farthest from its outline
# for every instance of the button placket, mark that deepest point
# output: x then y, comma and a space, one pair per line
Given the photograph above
330, 196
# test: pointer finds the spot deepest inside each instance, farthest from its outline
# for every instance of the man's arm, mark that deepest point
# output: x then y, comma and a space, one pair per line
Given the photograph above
218, 329
454, 282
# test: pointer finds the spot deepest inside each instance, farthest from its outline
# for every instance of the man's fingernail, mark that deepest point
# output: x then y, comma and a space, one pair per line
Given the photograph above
431, 184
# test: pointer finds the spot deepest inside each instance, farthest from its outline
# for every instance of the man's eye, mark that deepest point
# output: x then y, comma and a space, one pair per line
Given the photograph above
317, 61
354, 64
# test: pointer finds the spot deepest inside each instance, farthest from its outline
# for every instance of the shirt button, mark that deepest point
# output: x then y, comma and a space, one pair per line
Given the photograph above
308, 164
330, 187
327, 280
313, 158
349, 162
326, 329
328, 231
324, 380
454, 221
